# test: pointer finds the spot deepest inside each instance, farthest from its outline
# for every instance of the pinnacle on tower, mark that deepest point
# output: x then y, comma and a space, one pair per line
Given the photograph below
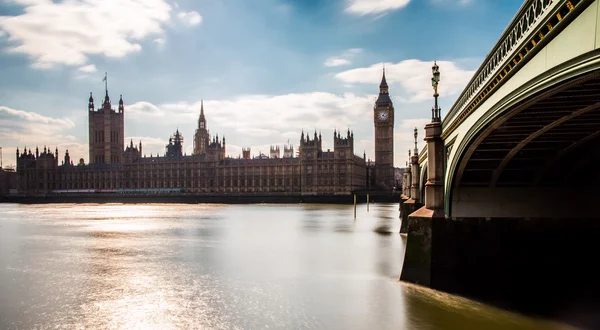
121, 106
91, 103
383, 81
106, 98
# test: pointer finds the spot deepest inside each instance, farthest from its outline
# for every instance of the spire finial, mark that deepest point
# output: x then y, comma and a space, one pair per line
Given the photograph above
383, 86
202, 107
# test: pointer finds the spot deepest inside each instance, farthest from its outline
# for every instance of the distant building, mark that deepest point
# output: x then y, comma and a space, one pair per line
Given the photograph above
8, 181
398, 175
114, 167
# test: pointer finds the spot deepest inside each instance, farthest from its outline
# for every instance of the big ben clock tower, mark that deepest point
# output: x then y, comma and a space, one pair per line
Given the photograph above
383, 116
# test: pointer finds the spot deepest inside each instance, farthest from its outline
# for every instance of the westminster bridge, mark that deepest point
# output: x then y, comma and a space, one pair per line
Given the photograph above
500, 204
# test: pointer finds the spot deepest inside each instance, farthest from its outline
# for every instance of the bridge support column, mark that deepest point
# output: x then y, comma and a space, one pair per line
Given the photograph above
404, 214
420, 247
413, 203
403, 195
408, 180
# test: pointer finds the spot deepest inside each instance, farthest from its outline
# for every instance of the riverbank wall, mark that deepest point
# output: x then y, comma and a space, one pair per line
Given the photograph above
275, 198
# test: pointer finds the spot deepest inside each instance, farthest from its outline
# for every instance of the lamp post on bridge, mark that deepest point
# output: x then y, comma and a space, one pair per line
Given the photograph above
435, 80
426, 224
434, 188
416, 172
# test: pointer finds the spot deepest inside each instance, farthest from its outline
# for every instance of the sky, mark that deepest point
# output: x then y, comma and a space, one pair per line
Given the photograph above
265, 69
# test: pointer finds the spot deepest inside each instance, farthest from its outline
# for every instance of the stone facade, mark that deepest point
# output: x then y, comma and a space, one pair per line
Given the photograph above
106, 132
8, 181
207, 170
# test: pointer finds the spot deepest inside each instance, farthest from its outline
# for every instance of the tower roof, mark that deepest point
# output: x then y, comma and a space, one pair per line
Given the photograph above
201, 118
384, 96
383, 81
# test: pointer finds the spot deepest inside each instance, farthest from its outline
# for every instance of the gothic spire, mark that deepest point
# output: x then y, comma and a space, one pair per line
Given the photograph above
201, 118
384, 97
383, 84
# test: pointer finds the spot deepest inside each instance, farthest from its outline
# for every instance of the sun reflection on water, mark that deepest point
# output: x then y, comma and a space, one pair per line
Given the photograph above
151, 266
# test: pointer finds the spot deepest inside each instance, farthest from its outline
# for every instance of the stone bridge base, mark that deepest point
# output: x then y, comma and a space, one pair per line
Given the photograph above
406, 208
544, 267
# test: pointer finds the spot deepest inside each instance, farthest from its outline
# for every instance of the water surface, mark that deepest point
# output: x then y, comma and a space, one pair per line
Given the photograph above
165, 266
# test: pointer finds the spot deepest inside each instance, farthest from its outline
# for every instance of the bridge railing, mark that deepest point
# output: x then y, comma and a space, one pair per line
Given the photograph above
531, 27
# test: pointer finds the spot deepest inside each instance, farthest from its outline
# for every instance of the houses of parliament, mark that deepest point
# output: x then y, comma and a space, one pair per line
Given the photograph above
119, 167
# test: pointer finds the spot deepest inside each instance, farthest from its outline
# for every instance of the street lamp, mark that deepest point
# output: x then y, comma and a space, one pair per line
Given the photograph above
416, 135
435, 111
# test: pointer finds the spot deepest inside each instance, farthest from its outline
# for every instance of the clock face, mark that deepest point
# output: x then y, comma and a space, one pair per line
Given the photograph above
382, 115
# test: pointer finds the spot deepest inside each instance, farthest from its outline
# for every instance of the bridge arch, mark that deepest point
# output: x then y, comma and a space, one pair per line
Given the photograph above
524, 146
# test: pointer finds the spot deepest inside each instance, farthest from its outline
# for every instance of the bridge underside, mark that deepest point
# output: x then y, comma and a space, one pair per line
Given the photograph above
543, 149
523, 207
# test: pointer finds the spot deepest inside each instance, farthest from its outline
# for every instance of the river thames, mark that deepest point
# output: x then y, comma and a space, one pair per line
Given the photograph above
174, 266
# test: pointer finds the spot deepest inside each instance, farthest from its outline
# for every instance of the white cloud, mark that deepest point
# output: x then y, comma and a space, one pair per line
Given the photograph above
252, 131
190, 18
404, 135
150, 145
23, 128
31, 117
342, 59
88, 68
281, 112
159, 41
72, 30
335, 61
414, 77
143, 108
366, 7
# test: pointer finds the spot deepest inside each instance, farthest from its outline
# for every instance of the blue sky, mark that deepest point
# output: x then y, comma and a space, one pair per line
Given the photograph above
266, 69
